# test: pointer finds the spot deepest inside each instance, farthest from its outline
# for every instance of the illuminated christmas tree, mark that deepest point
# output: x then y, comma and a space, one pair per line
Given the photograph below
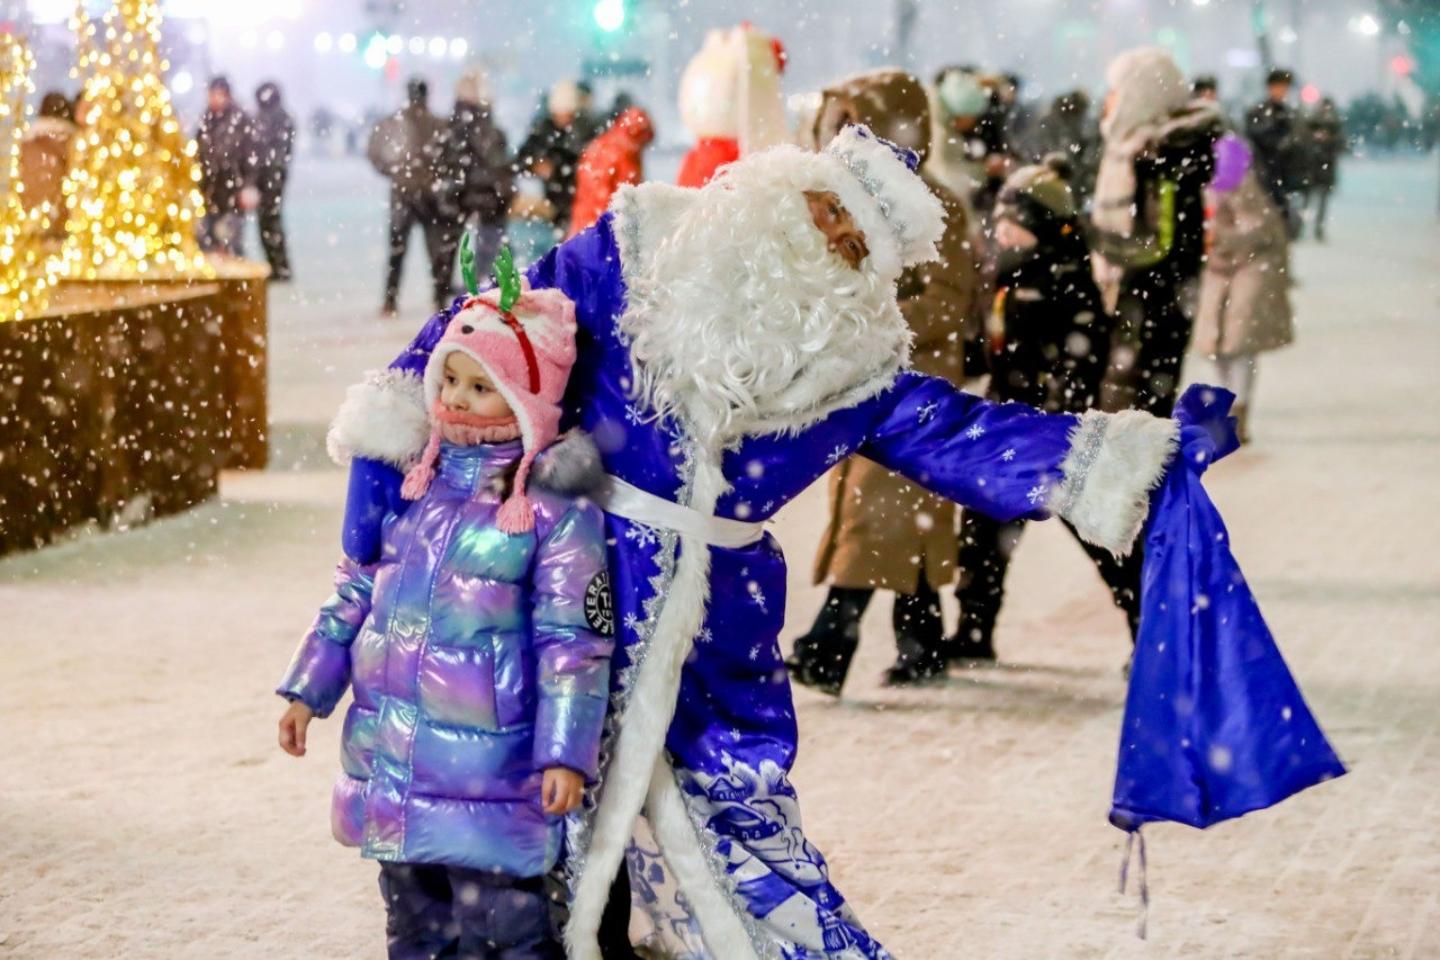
26, 271
132, 193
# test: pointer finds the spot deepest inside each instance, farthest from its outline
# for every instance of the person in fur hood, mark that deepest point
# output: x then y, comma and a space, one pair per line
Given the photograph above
1148, 225
881, 524
477, 644
734, 343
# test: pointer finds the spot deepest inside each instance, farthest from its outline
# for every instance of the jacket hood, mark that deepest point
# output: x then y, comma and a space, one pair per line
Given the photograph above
892, 103
1146, 86
634, 125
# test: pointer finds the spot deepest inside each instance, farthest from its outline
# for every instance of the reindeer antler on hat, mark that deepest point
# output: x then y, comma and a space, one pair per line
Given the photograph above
525, 341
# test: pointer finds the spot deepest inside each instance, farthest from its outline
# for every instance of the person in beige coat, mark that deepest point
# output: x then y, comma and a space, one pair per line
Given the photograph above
45, 161
885, 532
1244, 303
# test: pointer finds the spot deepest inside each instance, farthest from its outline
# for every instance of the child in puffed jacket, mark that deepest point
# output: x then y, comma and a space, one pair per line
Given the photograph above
477, 647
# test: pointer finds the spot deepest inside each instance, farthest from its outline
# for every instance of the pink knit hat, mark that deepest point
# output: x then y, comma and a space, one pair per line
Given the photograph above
527, 352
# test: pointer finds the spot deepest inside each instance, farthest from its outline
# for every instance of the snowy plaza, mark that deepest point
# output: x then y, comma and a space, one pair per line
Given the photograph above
147, 812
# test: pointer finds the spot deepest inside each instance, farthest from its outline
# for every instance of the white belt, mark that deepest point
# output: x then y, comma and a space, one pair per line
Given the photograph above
629, 501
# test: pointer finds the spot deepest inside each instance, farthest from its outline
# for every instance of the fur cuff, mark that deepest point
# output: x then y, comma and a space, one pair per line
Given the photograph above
1115, 460
569, 466
383, 418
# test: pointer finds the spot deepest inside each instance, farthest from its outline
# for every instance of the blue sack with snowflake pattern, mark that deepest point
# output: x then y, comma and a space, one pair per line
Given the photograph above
1215, 726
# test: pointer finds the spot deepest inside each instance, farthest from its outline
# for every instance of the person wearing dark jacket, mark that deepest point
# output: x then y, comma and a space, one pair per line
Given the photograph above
551, 152
226, 143
1326, 132
1049, 339
1273, 130
476, 168
406, 147
1069, 130
1147, 242
274, 149
1148, 225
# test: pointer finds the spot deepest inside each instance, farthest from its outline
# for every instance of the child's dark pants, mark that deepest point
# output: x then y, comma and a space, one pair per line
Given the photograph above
434, 911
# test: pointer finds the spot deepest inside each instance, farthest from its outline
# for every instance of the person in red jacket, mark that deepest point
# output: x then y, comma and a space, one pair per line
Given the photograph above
730, 100
612, 160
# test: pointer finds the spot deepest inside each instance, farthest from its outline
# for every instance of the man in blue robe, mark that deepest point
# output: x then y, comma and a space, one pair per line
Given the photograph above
736, 342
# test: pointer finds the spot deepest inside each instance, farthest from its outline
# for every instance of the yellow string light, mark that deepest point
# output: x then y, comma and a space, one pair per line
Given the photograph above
133, 190
26, 271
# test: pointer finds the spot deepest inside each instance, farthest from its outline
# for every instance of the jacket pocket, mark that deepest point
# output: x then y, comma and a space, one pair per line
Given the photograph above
457, 686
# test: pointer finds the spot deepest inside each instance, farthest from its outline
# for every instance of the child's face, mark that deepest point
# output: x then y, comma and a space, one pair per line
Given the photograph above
465, 388
1009, 235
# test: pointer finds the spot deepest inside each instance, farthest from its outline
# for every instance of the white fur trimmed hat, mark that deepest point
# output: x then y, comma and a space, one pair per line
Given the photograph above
903, 221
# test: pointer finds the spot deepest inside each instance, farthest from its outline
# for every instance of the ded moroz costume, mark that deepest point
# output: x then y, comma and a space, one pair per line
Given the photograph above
726, 360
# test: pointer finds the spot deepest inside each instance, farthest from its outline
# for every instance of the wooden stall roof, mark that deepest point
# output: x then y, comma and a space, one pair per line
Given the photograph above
73, 299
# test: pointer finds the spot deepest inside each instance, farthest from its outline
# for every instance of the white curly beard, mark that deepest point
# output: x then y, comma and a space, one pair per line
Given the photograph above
740, 319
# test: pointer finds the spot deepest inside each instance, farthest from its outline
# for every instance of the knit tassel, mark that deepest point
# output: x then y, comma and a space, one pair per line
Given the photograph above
418, 477
517, 513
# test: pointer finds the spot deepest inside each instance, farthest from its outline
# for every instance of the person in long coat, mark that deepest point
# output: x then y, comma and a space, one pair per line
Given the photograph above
274, 130
478, 175
45, 160
885, 532
1244, 307
226, 150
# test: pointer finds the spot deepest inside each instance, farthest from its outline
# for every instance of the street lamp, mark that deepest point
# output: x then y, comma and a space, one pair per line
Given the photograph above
610, 15
1365, 24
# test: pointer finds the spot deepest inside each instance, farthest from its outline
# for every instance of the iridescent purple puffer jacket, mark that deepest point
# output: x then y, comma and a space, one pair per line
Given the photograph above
477, 659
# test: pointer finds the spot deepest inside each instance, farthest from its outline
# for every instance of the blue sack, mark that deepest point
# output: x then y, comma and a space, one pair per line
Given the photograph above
1215, 726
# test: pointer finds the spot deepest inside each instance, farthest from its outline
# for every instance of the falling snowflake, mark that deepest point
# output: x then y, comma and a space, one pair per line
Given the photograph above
1008, 455
757, 596
642, 535
631, 621
975, 432
755, 652
926, 413
768, 508
839, 453
704, 636
634, 414
735, 733
1037, 494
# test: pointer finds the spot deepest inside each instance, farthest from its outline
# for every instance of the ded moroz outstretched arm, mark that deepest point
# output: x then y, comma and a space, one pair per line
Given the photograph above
1010, 461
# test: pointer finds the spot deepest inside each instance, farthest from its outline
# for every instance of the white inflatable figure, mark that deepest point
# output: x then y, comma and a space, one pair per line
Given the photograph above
730, 100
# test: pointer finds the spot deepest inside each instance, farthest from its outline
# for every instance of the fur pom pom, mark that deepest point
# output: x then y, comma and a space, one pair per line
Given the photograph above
516, 516
570, 466
382, 418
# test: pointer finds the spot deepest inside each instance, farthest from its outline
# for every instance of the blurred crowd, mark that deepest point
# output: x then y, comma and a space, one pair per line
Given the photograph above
1101, 255
451, 174
1097, 254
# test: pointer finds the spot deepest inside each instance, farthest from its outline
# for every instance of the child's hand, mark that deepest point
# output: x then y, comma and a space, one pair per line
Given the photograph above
561, 790
292, 729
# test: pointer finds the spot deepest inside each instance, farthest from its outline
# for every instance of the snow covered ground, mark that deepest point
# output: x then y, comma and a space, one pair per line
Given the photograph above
145, 811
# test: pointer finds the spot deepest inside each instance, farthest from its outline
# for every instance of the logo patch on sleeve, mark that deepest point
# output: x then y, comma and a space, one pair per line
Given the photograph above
600, 605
